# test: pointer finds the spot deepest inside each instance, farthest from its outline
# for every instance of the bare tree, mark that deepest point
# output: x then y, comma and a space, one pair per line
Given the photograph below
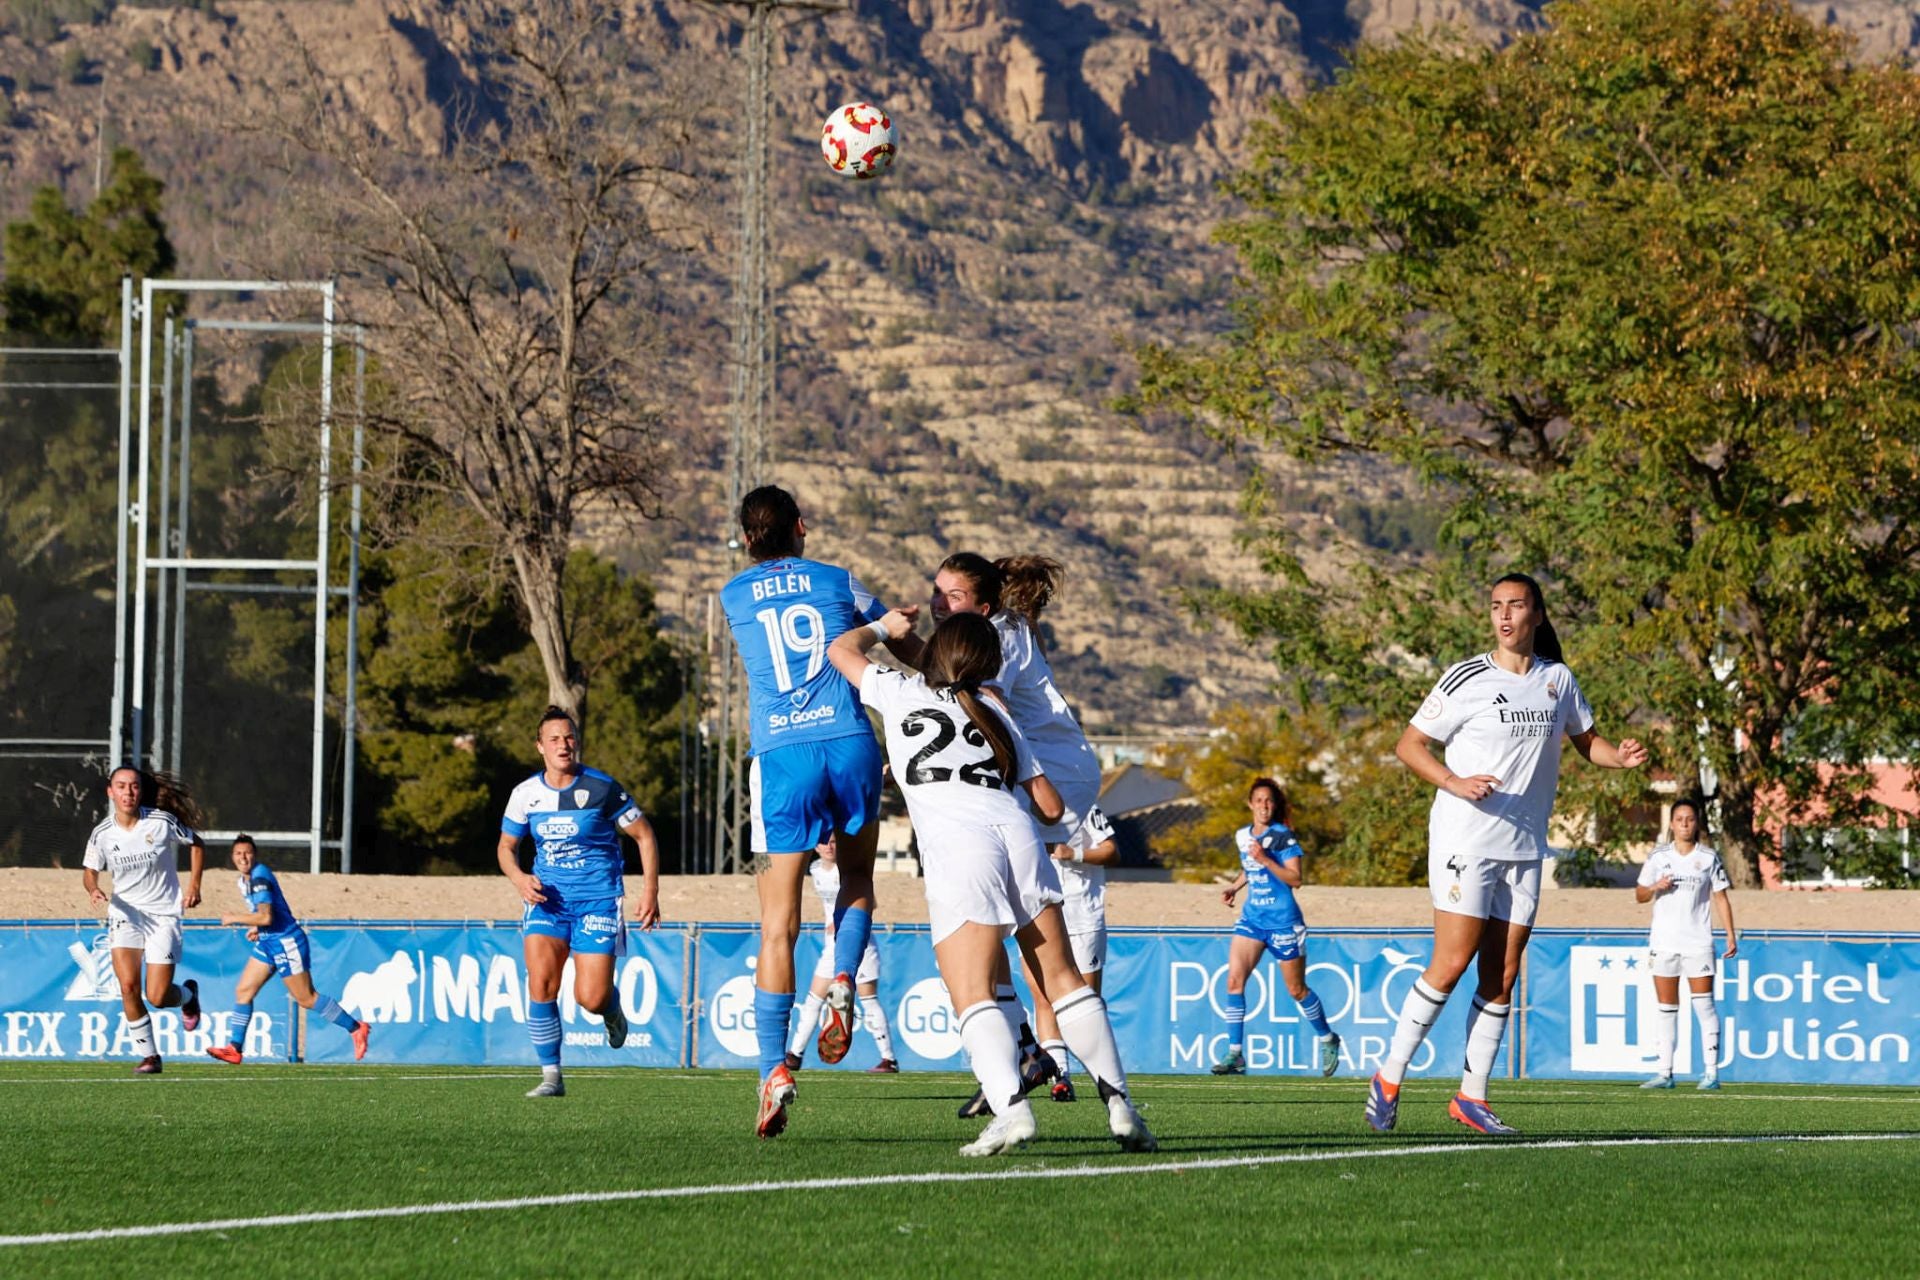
514, 283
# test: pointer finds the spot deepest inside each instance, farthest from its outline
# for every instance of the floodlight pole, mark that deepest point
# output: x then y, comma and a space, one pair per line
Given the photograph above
751, 398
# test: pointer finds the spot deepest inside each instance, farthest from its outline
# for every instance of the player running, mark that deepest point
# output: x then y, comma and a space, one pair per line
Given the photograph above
1011, 593
575, 816
1686, 884
825, 874
1270, 862
279, 946
956, 757
815, 774
137, 845
1500, 716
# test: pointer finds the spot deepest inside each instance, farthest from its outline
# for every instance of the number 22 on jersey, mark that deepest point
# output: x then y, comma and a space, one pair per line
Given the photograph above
984, 772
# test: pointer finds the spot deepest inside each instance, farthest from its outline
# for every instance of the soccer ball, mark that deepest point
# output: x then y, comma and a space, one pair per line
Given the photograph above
858, 141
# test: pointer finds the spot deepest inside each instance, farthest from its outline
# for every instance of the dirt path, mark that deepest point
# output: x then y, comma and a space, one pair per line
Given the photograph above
41, 894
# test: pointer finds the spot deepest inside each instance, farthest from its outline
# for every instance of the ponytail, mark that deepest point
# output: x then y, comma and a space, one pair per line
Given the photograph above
1030, 584
964, 651
168, 794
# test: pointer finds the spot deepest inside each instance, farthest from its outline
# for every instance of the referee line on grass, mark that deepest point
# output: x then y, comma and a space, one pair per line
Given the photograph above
913, 1179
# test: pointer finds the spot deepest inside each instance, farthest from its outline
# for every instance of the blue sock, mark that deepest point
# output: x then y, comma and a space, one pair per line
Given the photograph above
237, 1025
1237, 1021
325, 1006
543, 1027
851, 930
772, 1010
1316, 1016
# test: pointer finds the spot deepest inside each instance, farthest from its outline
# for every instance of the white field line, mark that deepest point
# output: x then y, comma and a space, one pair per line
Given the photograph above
914, 1179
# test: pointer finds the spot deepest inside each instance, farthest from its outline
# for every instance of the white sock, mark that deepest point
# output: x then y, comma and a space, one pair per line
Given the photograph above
1417, 1015
874, 1018
1666, 1023
1057, 1050
1486, 1028
1707, 1014
550, 1074
142, 1033
804, 1024
1014, 1012
993, 1054
1085, 1029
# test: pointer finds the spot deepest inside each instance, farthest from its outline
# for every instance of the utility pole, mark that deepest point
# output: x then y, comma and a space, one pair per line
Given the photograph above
750, 403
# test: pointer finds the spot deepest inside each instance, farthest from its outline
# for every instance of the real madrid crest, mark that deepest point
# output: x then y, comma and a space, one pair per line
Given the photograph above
1453, 893
1553, 689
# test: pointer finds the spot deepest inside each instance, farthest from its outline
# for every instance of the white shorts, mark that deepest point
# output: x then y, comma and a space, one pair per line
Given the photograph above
1089, 949
131, 929
995, 875
1484, 888
869, 963
1682, 964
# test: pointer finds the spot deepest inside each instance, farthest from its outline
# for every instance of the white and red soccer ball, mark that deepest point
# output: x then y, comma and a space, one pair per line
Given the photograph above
858, 141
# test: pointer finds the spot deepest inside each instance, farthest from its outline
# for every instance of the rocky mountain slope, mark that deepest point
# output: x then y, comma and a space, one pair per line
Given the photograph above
951, 336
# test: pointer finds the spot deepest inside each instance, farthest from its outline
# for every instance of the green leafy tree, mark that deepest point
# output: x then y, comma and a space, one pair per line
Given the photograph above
62, 284
1638, 293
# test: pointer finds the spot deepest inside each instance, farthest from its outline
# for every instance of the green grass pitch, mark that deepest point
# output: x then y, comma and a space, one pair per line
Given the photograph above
88, 1148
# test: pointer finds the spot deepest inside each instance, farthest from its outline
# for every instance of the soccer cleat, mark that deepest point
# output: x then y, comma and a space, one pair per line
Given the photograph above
793, 1061
1063, 1090
1036, 1068
149, 1066
228, 1053
553, 1088
884, 1067
1658, 1082
1709, 1083
361, 1031
1383, 1104
836, 1020
1008, 1132
1330, 1056
1234, 1064
1478, 1116
975, 1107
1126, 1126
190, 1005
776, 1091
616, 1019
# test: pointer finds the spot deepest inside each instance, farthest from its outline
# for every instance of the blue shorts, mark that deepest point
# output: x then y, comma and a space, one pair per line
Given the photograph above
286, 952
592, 928
805, 792
1289, 943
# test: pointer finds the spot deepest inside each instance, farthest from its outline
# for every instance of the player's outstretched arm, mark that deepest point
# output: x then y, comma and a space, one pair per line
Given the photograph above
1594, 749
646, 909
848, 652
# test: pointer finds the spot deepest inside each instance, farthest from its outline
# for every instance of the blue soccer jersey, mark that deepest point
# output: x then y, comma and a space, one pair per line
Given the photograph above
784, 613
1270, 903
576, 833
261, 888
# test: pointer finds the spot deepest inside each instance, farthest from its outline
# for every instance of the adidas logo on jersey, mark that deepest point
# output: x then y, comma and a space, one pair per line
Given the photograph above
1499, 699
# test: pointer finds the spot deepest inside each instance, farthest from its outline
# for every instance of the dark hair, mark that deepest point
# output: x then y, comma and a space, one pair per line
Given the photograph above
166, 793
554, 713
1021, 585
770, 523
1688, 802
1546, 641
1281, 809
965, 651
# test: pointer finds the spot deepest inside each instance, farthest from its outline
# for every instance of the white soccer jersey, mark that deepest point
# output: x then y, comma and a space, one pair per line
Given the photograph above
941, 761
1683, 917
826, 883
1042, 713
1508, 727
143, 860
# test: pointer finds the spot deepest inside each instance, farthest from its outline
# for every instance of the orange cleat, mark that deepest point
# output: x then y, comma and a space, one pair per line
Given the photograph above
836, 1023
226, 1053
776, 1091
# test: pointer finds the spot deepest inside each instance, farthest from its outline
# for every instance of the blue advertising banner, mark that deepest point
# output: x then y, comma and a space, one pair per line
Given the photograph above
59, 1000
1814, 1009
457, 994
1794, 1008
